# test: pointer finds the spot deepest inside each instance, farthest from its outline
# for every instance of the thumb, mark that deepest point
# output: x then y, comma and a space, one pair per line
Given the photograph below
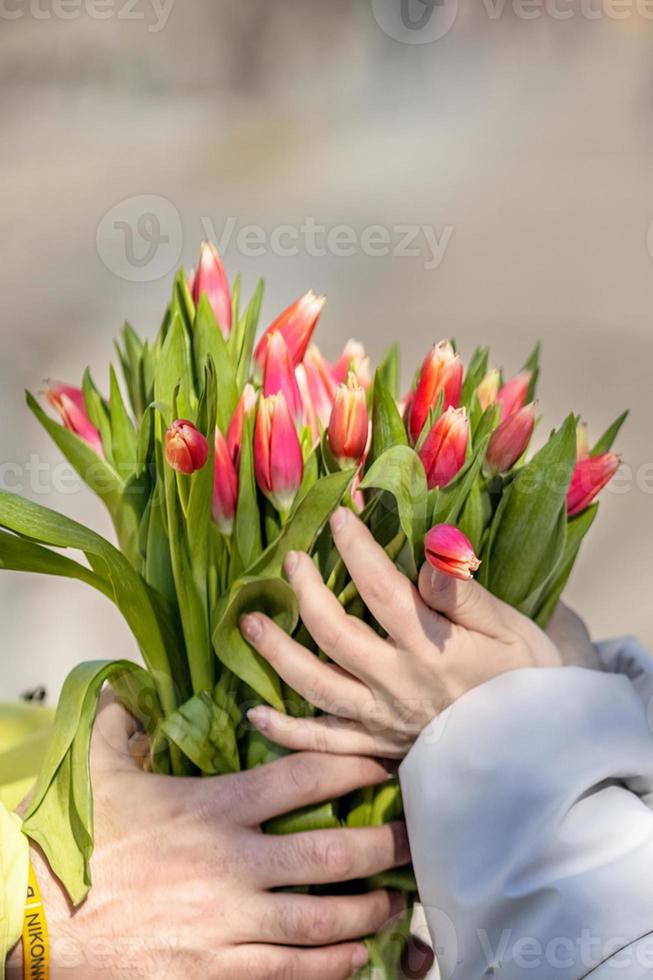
117, 740
466, 604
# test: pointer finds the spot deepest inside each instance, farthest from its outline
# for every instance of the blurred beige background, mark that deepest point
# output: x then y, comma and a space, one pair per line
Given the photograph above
523, 145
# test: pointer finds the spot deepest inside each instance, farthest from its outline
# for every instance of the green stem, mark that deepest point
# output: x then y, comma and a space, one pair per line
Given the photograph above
392, 550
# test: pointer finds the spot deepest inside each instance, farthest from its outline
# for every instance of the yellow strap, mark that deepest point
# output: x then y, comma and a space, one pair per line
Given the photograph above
36, 948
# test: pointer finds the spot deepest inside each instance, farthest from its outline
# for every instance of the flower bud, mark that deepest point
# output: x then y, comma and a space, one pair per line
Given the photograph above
69, 403
186, 449
225, 486
353, 358
444, 450
442, 371
279, 375
320, 382
278, 460
449, 551
514, 393
488, 389
590, 475
582, 441
349, 423
510, 439
296, 324
246, 405
210, 278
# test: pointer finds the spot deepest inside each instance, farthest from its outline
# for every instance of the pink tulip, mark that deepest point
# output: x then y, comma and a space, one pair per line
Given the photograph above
514, 393
225, 486
321, 384
296, 324
210, 278
442, 371
444, 450
488, 389
278, 461
510, 439
186, 449
69, 403
279, 375
244, 408
349, 423
353, 358
449, 551
591, 474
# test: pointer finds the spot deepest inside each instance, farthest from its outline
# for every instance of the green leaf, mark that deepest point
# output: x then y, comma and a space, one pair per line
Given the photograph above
60, 814
606, 441
275, 598
247, 522
21, 555
123, 435
577, 528
388, 369
247, 335
533, 365
209, 342
476, 371
175, 371
204, 732
388, 429
324, 816
400, 472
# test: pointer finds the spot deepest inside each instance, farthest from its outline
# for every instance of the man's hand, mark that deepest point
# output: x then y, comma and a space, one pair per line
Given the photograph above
183, 878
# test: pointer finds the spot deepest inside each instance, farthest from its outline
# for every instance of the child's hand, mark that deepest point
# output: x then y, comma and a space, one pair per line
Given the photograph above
378, 694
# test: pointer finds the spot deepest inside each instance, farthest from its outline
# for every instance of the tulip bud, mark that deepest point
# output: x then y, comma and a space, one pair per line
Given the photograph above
582, 441
321, 383
69, 403
444, 450
186, 449
210, 278
353, 358
246, 405
488, 389
510, 439
448, 550
225, 486
514, 393
296, 324
590, 475
279, 375
278, 460
442, 371
349, 424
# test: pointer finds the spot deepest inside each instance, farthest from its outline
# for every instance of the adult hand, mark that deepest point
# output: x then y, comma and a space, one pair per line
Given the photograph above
571, 637
183, 875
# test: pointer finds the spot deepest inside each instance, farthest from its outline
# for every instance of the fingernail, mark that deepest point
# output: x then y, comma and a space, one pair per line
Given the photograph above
251, 626
259, 717
291, 562
360, 957
338, 519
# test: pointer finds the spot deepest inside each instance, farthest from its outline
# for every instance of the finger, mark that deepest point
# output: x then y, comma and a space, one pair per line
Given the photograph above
466, 604
321, 857
113, 729
341, 736
347, 640
308, 920
318, 682
263, 962
250, 798
388, 594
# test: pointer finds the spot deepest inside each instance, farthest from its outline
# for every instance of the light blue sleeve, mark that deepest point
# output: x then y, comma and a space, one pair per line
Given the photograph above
526, 804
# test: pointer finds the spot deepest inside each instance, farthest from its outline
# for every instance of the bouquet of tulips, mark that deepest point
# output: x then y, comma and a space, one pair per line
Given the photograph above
215, 457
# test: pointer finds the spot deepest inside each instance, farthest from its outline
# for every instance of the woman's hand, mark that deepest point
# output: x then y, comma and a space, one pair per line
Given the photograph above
183, 878
378, 694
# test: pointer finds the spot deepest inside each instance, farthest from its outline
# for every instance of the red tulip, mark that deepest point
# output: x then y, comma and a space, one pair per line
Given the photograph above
510, 439
186, 449
225, 486
514, 393
442, 371
320, 382
69, 403
353, 358
279, 375
246, 405
349, 423
445, 447
296, 324
488, 389
210, 278
278, 461
448, 550
590, 476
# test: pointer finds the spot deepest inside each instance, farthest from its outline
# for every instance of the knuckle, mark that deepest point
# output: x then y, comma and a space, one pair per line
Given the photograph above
302, 773
288, 968
380, 590
336, 857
